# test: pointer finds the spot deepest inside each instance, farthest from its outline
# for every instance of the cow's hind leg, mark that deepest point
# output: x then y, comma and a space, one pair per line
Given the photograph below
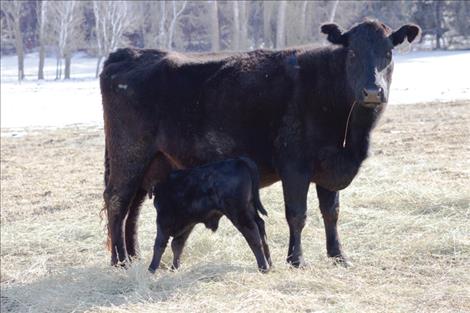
117, 200
177, 245
125, 179
329, 207
132, 244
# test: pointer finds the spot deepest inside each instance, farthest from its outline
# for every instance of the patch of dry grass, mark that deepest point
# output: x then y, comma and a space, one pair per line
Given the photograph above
404, 223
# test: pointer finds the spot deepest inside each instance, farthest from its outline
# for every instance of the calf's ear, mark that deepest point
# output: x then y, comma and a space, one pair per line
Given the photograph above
410, 31
334, 34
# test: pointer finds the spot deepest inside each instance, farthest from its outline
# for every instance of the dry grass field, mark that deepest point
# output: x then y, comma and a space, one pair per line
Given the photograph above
404, 222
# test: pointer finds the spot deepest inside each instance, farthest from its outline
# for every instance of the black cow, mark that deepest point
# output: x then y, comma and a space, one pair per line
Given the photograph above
203, 195
303, 115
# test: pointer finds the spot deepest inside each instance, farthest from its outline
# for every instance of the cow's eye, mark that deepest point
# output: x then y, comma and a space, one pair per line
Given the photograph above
388, 55
351, 54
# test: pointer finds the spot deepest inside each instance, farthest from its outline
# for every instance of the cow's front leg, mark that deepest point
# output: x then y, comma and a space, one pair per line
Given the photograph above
329, 207
295, 187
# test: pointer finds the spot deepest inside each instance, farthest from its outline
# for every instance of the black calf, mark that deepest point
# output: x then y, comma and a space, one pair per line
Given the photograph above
203, 195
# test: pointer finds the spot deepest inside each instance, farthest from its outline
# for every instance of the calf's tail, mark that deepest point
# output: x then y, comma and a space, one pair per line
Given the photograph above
255, 184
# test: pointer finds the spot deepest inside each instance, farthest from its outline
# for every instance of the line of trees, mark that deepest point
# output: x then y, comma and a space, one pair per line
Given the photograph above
98, 27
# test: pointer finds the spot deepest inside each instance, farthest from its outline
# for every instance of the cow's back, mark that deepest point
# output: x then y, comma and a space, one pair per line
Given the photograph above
199, 107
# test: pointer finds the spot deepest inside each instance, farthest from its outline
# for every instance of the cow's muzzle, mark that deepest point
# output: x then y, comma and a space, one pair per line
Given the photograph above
372, 97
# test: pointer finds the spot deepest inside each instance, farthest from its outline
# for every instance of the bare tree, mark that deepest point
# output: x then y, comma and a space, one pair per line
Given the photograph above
303, 20
41, 15
112, 19
244, 42
281, 23
236, 26
214, 21
267, 15
161, 39
240, 25
13, 12
176, 14
66, 21
333, 11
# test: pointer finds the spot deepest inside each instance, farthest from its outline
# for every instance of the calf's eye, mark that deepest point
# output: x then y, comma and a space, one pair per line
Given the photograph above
351, 54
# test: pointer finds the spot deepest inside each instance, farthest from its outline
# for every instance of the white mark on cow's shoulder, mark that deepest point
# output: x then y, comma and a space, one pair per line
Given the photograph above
122, 86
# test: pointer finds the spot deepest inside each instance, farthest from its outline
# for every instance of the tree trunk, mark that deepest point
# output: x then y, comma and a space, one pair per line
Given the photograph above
333, 11
303, 21
98, 64
236, 26
438, 8
41, 13
215, 44
58, 68
281, 23
20, 64
19, 49
267, 24
162, 33
68, 61
244, 41
41, 61
176, 14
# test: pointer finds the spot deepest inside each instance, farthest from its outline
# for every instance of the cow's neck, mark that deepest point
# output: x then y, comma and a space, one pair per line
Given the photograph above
334, 166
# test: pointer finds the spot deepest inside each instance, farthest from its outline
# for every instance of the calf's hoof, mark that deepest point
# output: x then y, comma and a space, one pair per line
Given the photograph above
296, 261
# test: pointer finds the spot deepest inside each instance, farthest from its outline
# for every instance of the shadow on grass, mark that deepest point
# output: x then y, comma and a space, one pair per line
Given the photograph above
82, 289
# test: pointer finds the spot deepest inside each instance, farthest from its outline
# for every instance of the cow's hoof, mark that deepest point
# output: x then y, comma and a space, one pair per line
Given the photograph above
264, 270
152, 270
342, 260
122, 264
297, 262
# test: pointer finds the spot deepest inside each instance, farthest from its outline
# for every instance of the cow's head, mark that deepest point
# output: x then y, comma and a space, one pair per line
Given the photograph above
369, 62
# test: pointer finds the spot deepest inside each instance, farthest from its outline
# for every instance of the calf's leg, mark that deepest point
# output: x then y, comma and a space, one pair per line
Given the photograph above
262, 231
329, 207
159, 247
249, 229
177, 245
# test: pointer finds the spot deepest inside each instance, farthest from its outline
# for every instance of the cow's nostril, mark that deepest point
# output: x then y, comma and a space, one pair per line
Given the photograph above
381, 91
364, 92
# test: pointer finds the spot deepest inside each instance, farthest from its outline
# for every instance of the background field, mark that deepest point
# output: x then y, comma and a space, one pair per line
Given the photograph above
404, 223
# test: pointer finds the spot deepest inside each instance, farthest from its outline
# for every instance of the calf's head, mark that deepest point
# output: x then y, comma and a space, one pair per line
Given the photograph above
369, 65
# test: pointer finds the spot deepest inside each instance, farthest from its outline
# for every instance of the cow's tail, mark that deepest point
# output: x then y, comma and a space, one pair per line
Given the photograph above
255, 185
104, 211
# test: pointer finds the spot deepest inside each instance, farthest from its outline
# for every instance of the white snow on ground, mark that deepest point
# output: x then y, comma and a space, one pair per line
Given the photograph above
418, 77
430, 76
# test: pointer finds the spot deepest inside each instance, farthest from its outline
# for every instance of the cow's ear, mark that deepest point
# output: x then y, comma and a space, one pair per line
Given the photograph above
334, 34
410, 31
